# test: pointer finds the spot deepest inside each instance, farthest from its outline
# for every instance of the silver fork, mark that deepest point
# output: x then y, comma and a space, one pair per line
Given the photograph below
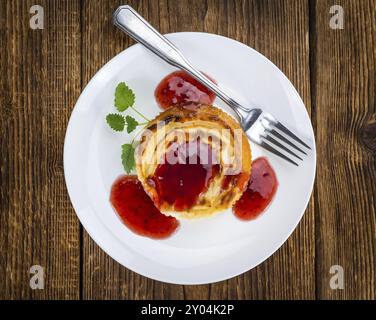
261, 127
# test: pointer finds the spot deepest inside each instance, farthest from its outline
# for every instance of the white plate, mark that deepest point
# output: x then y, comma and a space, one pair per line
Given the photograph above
206, 250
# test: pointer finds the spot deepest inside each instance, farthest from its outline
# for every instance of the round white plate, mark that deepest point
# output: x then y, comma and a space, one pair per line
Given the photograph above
205, 250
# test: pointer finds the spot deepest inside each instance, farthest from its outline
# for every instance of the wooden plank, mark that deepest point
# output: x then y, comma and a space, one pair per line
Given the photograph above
344, 100
280, 31
103, 278
39, 83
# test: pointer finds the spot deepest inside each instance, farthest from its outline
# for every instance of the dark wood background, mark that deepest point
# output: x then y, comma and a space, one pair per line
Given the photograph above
42, 73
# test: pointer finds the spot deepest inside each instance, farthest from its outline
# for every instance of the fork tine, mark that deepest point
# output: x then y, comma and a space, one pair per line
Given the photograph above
281, 137
280, 145
281, 127
276, 152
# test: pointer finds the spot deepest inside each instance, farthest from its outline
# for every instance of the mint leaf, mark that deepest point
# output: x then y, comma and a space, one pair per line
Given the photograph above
124, 97
127, 157
116, 121
131, 123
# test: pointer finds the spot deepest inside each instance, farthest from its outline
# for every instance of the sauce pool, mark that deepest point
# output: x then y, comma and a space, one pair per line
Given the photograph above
181, 184
180, 88
138, 211
259, 193
187, 171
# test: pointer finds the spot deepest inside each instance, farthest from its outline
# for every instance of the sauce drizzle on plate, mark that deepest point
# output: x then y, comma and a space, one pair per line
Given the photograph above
138, 211
180, 88
140, 215
260, 191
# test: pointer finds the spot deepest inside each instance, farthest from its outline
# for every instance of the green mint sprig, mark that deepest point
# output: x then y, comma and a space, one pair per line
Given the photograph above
127, 156
116, 121
124, 99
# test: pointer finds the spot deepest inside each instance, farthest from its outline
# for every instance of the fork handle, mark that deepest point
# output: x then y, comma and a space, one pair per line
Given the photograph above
128, 20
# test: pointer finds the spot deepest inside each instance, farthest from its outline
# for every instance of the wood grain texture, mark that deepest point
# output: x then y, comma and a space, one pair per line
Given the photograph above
40, 81
102, 277
344, 87
279, 30
42, 73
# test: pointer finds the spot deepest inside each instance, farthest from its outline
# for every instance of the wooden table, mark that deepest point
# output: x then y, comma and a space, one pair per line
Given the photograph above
42, 73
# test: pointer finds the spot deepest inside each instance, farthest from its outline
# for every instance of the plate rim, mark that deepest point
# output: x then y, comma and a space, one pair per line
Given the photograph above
163, 279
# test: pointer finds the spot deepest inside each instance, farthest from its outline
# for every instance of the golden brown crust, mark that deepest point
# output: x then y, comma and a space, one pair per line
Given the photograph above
215, 127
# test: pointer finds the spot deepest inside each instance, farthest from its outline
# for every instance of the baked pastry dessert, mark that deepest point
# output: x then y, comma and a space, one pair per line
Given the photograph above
193, 161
